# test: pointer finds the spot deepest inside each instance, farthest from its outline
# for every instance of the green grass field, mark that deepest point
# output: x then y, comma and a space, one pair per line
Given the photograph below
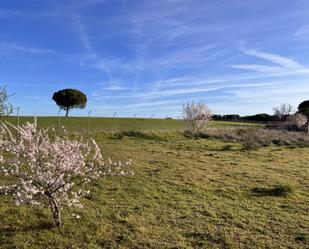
184, 194
97, 125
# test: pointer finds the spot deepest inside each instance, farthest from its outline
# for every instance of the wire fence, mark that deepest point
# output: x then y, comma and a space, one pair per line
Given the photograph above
91, 124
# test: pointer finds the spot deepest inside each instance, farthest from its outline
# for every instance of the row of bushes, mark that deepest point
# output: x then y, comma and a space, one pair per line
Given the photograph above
252, 138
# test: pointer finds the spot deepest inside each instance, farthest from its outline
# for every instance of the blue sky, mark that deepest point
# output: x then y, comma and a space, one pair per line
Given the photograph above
149, 57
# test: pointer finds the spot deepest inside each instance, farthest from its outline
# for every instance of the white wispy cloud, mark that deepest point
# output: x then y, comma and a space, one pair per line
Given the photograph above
10, 14
114, 87
273, 92
258, 68
6, 47
72, 11
226, 79
163, 92
81, 30
151, 100
277, 59
192, 90
46, 85
303, 31
35, 97
141, 105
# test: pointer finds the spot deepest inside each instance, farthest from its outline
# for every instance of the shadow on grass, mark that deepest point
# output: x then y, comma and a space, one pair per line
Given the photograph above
279, 190
202, 239
226, 147
44, 225
7, 233
137, 134
302, 237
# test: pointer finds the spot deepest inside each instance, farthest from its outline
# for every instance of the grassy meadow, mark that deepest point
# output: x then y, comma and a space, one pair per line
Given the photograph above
98, 125
185, 193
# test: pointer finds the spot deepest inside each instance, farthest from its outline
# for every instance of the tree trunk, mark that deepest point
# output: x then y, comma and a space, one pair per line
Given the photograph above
67, 112
55, 210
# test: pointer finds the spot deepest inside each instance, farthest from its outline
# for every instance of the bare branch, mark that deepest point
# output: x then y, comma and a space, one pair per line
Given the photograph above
6, 108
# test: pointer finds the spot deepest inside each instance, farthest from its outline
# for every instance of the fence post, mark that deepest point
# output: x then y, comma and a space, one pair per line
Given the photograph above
59, 121
151, 129
89, 122
17, 121
134, 122
114, 121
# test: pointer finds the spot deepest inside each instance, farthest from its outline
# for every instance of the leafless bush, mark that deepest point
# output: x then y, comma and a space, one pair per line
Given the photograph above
196, 117
5, 107
250, 139
283, 110
296, 122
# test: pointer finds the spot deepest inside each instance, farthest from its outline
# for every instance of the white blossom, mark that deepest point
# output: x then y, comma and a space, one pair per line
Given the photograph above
196, 117
49, 169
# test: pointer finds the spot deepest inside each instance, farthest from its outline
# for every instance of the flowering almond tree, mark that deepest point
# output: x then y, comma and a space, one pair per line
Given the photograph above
50, 170
196, 117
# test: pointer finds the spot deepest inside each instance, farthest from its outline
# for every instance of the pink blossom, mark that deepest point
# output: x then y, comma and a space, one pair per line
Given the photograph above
49, 169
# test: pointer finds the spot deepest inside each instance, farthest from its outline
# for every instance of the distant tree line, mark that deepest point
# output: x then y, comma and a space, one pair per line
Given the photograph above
281, 113
258, 118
